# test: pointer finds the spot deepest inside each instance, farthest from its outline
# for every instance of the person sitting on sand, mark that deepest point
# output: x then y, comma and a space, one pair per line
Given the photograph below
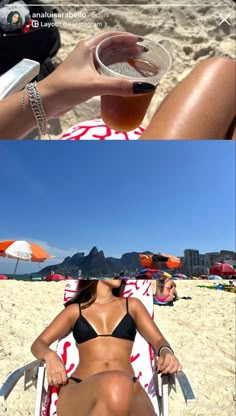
201, 106
104, 327
166, 289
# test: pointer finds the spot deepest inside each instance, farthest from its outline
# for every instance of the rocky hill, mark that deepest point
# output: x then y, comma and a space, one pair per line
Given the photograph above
95, 264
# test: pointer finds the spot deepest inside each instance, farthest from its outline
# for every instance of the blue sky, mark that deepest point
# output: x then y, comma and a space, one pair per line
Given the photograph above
120, 197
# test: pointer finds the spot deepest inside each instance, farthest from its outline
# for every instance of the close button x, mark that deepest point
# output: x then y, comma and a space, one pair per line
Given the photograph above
224, 19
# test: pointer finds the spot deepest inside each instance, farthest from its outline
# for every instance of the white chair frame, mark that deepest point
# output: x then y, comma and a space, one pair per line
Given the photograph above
17, 77
34, 374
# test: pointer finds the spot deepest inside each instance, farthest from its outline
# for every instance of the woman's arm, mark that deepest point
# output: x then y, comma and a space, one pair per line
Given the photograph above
167, 362
73, 82
14, 122
171, 286
173, 291
59, 327
146, 326
40, 348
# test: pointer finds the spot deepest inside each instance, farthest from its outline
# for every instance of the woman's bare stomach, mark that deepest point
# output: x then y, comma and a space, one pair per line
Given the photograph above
83, 372
98, 358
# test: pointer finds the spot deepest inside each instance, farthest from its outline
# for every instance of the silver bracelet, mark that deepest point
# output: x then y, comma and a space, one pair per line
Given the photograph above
36, 107
162, 348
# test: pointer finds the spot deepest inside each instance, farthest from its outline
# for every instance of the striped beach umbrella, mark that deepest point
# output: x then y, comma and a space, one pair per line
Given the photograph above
23, 250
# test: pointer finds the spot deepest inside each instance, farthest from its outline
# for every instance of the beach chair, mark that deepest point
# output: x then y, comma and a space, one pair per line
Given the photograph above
142, 359
17, 77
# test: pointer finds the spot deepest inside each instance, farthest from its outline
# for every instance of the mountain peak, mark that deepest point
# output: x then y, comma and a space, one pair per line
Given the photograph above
94, 264
93, 252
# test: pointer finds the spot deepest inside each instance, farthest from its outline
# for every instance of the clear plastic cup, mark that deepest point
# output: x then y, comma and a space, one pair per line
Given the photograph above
139, 60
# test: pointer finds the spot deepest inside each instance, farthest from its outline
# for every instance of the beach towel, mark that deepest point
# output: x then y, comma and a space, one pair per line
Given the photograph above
98, 130
169, 303
158, 302
142, 357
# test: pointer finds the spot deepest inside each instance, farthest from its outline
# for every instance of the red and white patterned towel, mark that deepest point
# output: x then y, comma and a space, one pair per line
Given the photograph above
142, 357
98, 130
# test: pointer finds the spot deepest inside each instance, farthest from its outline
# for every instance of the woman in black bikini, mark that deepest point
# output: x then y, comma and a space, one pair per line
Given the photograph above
104, 327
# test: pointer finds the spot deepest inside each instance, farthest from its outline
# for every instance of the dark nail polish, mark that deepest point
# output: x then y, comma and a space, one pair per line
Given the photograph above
145, 49
142, 87
140, 39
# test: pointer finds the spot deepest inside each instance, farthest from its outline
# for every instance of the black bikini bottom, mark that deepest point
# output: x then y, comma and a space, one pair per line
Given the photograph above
78, 380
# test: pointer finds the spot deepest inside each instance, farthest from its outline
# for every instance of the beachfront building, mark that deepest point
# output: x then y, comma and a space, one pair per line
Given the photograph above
191, 260
202, 261
228, 256
224, 256
212, 258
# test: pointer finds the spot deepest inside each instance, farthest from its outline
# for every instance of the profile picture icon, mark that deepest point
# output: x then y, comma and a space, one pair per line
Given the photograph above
14, 19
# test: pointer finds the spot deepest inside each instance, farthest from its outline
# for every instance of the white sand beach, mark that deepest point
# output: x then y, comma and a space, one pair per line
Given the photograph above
191, 33
201, 332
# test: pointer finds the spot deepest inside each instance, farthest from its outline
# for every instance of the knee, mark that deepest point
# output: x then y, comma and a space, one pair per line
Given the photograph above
118, 389
220, 63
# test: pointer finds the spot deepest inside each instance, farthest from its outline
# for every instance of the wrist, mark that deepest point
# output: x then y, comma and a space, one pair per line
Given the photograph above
164, 348
48, 97
49, 354
37, 108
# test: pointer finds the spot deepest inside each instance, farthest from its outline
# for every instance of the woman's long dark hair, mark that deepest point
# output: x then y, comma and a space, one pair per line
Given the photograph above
86, 292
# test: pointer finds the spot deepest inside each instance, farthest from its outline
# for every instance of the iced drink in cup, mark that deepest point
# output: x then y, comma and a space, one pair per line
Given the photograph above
142, 61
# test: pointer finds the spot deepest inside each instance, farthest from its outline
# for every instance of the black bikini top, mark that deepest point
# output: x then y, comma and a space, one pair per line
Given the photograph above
83, 331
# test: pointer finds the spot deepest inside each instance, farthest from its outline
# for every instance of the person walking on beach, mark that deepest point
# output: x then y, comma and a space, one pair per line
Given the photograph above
104, 326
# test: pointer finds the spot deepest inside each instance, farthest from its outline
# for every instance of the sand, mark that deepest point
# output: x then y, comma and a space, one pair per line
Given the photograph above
201, 332
189, 33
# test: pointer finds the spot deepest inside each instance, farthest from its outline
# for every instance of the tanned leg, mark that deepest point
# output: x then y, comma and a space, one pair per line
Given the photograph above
115, 397
142, 405
103, 394
200, 107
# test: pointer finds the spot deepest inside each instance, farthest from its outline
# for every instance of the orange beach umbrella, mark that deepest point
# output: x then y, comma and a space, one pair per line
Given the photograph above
23, 250
171, 262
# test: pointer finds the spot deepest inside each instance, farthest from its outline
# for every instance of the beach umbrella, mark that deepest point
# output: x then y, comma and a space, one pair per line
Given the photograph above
223, 269
214, 277
180, 276
167, 275
2, 277
148, 273
172, 262
54, 277
147, 260
23, 250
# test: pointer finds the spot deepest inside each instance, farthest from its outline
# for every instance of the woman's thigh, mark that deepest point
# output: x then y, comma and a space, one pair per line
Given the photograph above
85, 395
74, 396
141, 405
202, 106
